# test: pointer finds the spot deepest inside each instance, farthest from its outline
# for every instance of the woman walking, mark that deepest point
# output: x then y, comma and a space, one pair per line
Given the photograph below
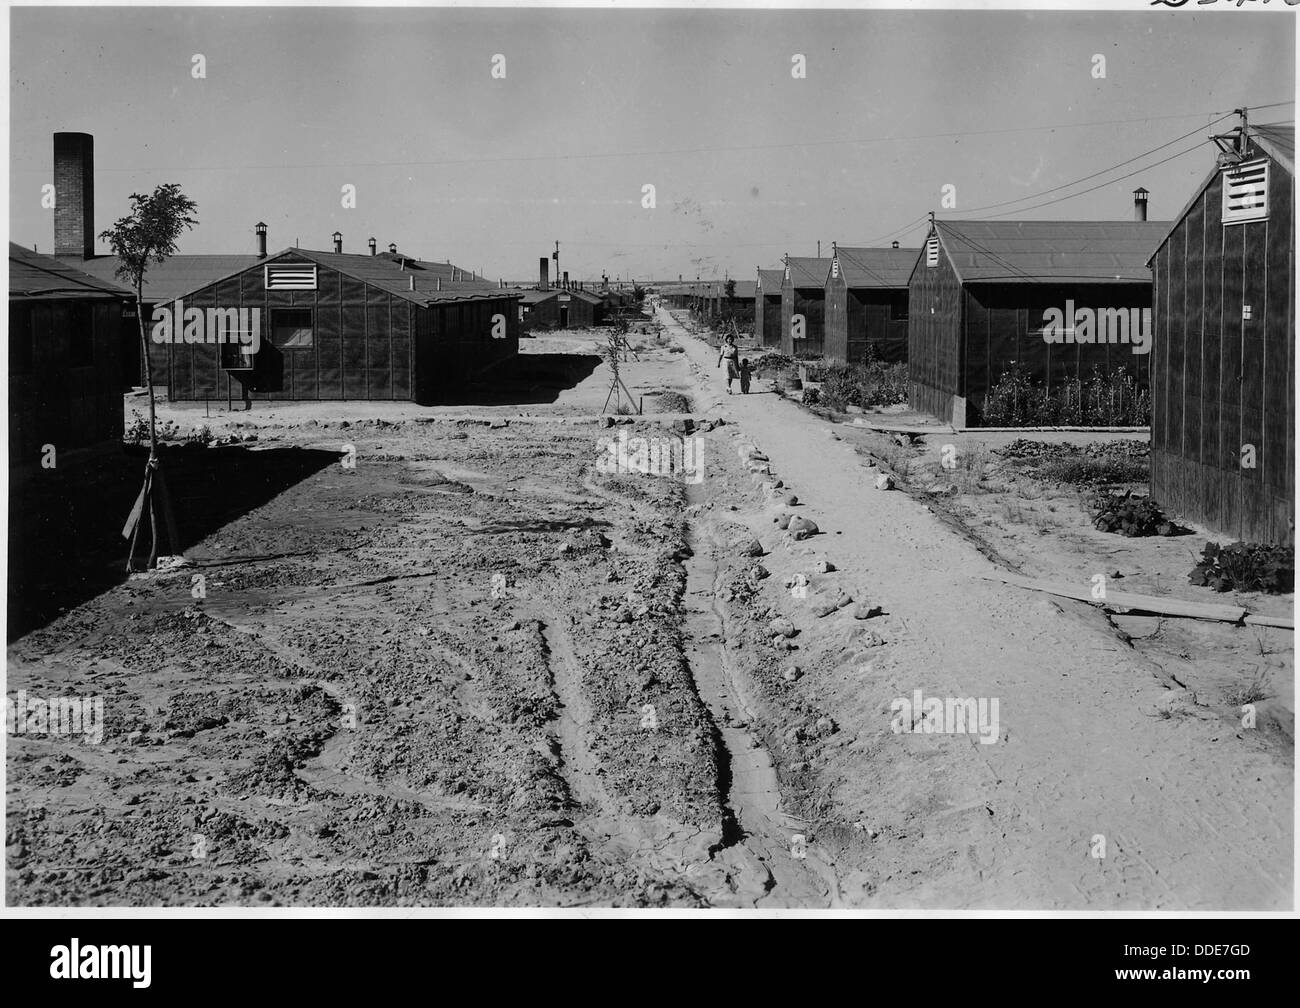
731, 355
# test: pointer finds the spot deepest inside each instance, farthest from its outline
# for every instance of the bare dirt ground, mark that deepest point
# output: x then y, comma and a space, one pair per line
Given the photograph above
475, 670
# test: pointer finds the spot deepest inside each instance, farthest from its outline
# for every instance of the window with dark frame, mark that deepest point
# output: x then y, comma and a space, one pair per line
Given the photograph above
81, 335
291, 328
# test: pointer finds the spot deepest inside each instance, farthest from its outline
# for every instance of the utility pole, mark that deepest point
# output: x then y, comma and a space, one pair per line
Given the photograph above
556, 256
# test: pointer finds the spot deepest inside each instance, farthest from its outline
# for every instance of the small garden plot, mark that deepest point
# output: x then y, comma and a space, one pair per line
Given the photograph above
1077, 513
836, 387
1100, 463
1106, 399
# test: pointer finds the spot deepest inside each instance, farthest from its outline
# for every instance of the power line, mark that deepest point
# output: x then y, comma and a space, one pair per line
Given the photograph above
913, 223
1082, 192
1067, 185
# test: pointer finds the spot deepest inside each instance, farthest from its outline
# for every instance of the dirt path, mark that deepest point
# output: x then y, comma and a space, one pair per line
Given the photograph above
1094, 756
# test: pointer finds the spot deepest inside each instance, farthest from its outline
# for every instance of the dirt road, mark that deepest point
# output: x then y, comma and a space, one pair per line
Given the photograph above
1190, 811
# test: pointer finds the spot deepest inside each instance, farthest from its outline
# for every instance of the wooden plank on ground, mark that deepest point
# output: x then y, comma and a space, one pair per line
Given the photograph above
1129, 601
1255, 619
860, 421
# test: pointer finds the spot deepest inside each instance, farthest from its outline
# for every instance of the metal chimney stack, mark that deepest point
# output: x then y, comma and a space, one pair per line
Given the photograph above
1140, 204
544, 273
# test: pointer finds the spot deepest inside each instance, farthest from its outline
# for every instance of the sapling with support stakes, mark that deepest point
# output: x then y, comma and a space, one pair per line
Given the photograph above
148, 235
615, 346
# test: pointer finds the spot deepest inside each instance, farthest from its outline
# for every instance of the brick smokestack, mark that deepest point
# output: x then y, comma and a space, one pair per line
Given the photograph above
566, 279
543, 273
74, 195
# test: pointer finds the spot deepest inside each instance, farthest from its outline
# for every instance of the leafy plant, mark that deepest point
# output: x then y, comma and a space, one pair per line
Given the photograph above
1007, 402
1130, 516
1107, 399
1243, 566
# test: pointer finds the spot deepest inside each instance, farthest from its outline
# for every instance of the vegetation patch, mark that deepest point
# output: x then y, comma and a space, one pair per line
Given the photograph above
1099, 463
868, 383
1131, 516
1250, 567
1106, 399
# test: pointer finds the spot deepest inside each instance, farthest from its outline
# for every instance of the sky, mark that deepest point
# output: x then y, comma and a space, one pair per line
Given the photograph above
747, 161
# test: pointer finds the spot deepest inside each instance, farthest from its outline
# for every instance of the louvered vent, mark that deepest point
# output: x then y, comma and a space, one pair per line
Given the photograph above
932, 251
1245, 193
291, 276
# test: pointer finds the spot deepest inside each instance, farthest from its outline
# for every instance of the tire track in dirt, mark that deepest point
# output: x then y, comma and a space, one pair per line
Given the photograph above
578, 766
765, 846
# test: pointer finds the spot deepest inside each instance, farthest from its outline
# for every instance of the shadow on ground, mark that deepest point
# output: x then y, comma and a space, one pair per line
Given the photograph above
529, 379
65, 524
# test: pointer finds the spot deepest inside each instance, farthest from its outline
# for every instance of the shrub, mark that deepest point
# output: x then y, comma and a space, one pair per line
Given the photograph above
840, 390
870, 383
1245, 567
772, 362
1130, 516
883, 384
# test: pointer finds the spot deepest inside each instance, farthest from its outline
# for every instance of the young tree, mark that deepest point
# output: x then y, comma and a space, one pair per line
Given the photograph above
148, 235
